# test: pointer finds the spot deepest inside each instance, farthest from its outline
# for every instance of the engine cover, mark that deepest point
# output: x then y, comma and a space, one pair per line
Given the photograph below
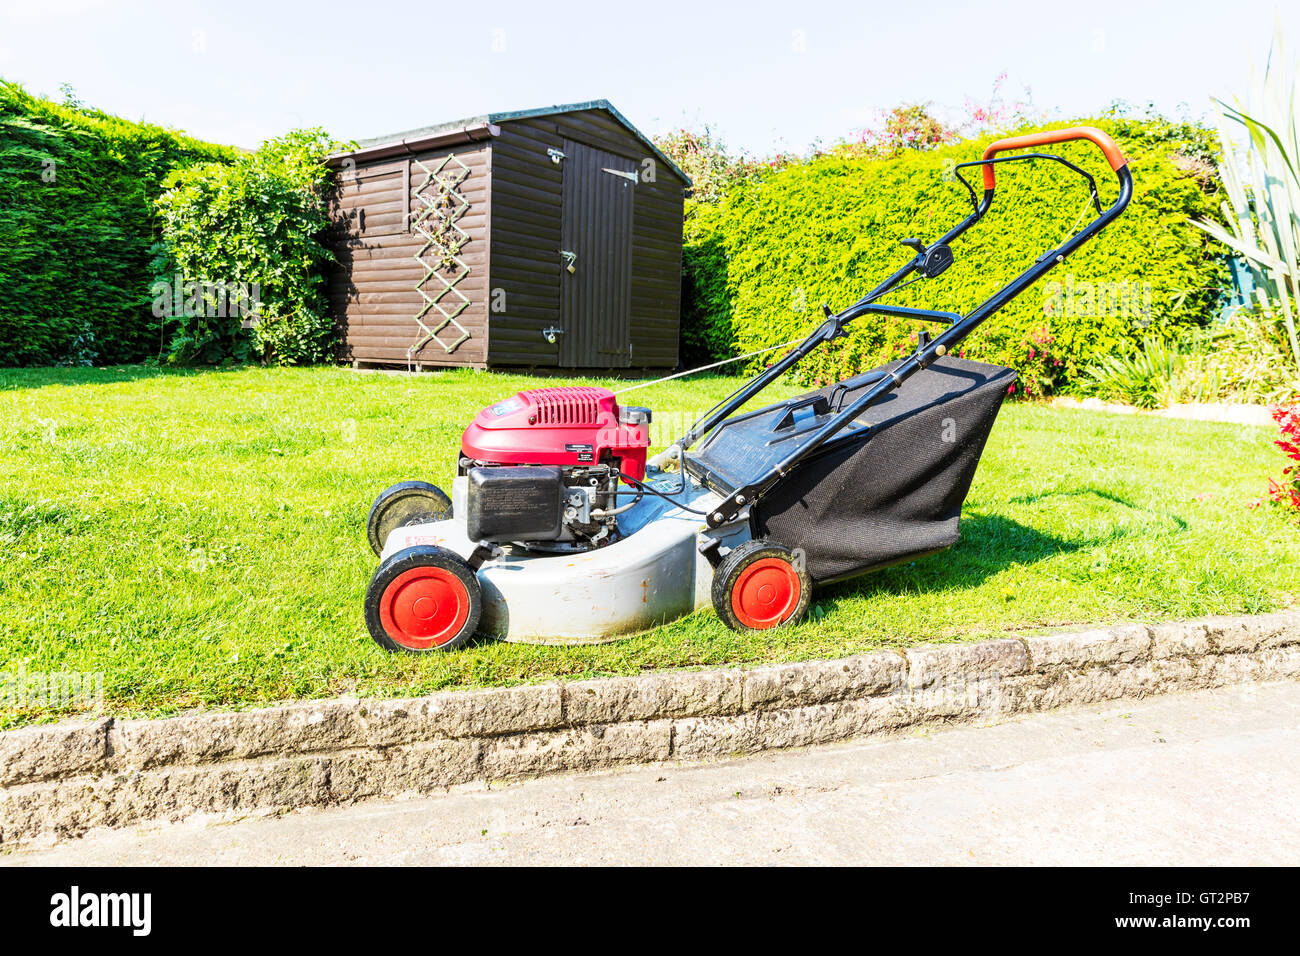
575, 425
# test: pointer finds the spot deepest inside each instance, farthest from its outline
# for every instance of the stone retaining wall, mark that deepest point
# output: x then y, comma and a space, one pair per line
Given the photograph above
64, 779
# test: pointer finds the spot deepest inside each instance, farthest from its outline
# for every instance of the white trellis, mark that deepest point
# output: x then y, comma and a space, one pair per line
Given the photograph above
443, 239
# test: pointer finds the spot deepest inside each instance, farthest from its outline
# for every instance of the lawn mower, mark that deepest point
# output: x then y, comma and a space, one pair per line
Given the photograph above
558, 529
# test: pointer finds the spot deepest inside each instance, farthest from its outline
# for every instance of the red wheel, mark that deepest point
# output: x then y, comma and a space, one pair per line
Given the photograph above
423, 599
424, 607
760, 585
766, 593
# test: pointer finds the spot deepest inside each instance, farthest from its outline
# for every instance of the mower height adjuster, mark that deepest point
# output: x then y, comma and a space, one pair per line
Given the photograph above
729, 508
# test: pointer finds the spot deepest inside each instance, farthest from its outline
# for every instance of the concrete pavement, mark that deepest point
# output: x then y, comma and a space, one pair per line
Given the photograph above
1200, 778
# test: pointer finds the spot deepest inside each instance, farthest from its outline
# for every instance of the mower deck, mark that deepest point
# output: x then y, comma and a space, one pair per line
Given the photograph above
653, 574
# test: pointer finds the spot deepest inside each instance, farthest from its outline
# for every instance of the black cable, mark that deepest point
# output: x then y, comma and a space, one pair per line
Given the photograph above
644, 488
894, 288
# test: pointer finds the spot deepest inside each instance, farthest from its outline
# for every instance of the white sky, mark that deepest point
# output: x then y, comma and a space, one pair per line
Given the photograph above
765, 75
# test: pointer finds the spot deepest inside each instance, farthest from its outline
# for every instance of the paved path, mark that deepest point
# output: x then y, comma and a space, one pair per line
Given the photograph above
1202, 778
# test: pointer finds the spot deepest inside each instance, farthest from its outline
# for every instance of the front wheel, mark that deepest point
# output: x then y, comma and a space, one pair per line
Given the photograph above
760, 585
423, 599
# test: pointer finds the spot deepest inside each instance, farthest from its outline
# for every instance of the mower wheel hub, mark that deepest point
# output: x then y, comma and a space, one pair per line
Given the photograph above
424, 607
766, 593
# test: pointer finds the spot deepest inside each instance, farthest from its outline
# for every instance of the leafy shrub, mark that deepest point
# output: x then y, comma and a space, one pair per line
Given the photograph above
1146, 377
76, 192
1040, 366
909, 126
1241, 359
702, 156
1287, 491
1247, 358
252, 223
760, 261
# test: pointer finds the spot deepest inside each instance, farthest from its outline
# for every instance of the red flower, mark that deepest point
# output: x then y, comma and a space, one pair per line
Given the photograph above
1287, 491
1288, 420
1283, 495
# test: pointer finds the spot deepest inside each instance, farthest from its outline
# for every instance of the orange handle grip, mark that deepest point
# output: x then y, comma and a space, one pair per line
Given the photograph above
1106, 144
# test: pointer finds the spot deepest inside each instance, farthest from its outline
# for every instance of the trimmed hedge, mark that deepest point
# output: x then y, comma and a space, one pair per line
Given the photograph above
760, 262
77, 224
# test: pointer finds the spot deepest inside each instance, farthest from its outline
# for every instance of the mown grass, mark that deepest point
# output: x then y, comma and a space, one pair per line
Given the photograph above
198, 537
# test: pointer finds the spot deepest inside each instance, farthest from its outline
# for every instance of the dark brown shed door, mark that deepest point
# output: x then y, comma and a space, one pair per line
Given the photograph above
596, 298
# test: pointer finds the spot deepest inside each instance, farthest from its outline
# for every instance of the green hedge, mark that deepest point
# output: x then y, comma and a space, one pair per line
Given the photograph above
760, 262
77, 224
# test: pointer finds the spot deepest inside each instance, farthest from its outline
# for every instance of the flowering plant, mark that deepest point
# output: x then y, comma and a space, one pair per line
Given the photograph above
1039, 367
1287, 491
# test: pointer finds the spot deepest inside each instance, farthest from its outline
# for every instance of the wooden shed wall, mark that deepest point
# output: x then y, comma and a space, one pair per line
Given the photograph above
526, 228
372, 288
657, 270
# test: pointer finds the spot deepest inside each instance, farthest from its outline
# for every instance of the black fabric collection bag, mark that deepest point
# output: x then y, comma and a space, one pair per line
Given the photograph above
893, 491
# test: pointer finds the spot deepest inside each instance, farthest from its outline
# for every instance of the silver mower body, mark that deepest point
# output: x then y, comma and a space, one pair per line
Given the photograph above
654, 573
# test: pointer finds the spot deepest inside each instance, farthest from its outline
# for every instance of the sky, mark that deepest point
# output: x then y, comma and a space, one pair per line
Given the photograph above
764, 76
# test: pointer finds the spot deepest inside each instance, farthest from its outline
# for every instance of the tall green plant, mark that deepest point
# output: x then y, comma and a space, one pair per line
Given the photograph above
1145, 377
1263, 186
254, 224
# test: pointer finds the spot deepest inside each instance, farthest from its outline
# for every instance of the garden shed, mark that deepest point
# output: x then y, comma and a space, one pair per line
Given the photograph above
545, 237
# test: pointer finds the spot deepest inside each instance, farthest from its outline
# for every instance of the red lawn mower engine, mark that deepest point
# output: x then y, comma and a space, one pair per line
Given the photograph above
544, 466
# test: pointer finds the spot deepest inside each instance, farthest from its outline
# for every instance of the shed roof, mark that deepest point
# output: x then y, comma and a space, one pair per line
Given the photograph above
478, 127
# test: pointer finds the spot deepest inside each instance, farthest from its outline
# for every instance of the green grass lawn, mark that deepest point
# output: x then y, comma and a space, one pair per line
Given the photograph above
198, 537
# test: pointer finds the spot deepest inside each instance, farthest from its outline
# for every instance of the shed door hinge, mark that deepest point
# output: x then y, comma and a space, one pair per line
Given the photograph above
626, 174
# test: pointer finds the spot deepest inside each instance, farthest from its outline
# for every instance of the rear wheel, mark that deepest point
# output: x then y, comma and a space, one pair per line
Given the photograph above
760, 585
404, 504
423, 599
